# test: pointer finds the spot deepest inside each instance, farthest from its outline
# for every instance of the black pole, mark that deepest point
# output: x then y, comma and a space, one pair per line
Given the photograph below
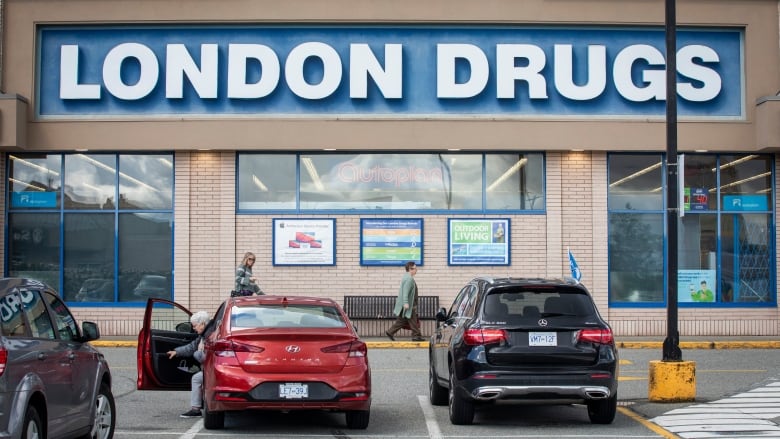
672, 342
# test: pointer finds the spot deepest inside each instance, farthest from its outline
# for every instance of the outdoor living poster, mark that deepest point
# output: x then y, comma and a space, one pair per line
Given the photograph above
304, 241
696, 286
479, 241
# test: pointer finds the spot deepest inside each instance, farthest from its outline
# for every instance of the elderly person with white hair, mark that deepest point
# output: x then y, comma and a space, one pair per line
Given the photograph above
194, 349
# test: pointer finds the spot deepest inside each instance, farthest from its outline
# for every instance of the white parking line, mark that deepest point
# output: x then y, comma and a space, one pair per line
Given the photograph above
195, 429
430, 417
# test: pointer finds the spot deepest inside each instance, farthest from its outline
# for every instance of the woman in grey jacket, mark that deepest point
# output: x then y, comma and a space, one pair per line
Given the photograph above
246, 282
194, 349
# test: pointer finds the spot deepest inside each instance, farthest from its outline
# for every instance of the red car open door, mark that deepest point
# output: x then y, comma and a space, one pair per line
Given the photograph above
166, 326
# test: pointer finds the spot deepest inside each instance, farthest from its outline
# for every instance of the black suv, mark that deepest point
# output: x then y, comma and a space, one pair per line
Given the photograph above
539, 341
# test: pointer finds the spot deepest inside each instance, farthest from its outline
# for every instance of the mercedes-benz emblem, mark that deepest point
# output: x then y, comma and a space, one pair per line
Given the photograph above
542, 322
293, 349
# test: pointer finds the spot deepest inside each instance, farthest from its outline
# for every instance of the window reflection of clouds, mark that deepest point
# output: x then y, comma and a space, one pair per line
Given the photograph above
266, 181
146, 181
90, 181
36, 173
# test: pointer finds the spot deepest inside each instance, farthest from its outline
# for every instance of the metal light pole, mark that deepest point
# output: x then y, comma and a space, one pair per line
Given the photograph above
671, 348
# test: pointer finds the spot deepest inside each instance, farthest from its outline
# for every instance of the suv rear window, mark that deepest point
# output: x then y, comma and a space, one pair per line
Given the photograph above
514, 304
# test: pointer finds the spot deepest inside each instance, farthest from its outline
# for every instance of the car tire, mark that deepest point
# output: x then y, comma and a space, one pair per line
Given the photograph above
33, 427
461, 409
105, 415
212, 420
358, 419
602, 411
436, 392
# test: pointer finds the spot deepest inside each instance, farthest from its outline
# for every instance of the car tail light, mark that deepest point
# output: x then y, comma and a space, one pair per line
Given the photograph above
3, 359
484, 336
354, 348
228, 348
602, 336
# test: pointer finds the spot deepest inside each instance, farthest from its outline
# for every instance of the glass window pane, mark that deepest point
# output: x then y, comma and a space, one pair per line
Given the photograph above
266, 181
146, 181
514, 181
746, 182
67, 328
89, 254
391, 181
746, 258
700, 181
34, 247
34, 181
636, 257
635, 182
145, 256
90, 181
697, 258
38, 316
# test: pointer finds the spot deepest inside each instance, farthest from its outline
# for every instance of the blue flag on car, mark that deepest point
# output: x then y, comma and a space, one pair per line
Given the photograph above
575, 269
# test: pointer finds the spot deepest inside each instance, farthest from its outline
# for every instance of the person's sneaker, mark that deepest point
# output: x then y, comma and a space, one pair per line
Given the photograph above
193, 413
390, 336
418, 339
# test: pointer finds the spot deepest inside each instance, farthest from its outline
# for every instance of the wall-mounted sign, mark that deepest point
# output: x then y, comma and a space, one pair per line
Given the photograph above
33, 199
304, 241
479, 241
745, 203
367, 70
391, 241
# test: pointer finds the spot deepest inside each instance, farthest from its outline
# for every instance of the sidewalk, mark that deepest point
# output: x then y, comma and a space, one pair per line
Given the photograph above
699, 342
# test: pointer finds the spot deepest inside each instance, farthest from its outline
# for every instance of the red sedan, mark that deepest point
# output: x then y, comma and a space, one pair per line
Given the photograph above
262, 353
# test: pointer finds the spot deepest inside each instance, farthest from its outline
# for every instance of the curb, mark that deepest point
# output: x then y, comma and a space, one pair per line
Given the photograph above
621, 345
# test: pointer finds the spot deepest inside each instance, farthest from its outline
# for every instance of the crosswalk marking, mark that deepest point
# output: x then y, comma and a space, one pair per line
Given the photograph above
745, 415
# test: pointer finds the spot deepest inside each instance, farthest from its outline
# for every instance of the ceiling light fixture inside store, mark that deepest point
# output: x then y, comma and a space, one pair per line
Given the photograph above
744, 180
735, 162
258, 183
315, 177
33, 165
636, 174
516, 167
112, 170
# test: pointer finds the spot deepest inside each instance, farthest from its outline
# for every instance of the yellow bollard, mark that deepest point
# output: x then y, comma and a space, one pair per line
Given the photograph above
672, 381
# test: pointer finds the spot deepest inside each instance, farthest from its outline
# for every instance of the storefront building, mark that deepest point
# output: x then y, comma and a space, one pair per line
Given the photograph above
147, 146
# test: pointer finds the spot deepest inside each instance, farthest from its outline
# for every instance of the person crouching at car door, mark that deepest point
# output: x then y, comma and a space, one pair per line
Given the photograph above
194, 349
406, 305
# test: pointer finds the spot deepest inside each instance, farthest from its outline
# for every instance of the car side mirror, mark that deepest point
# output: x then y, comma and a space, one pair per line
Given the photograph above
441, 315
90, 331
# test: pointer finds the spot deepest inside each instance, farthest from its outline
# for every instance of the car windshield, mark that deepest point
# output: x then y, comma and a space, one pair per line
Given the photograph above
290, 316
508, 305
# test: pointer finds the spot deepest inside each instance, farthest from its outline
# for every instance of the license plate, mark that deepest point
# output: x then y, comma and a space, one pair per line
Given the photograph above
293, 390
542, 339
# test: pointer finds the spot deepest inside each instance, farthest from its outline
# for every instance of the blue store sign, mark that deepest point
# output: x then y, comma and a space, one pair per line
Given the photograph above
372, 71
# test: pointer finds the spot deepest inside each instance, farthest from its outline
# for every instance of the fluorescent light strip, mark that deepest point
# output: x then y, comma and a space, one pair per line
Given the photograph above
112, 170
259, 183
736, 162
315, 177
29, 185
516, 167
33, 165
737, 183
636, 174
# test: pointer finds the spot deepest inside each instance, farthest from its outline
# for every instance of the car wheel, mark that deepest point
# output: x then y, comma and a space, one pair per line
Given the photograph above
212, 420
436, 392
602, 411
358, 419
105, 415
461, 409
33, 427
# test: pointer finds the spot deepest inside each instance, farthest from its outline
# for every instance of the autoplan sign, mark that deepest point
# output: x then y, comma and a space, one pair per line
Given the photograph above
372, 71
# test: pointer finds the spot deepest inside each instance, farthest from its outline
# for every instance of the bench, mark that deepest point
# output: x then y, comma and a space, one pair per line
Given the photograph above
371, 313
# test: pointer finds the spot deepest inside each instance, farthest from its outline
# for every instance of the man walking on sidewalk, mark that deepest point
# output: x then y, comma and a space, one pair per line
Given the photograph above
406, 305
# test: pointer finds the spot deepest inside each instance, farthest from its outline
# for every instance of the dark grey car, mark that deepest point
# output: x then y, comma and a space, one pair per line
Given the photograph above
53, 383
533, 341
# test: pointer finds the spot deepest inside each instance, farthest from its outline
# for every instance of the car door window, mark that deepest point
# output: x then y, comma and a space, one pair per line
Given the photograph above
67, 329
11, 320
38, 316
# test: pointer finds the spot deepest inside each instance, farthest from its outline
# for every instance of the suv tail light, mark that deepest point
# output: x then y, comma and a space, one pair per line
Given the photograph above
475, 337
602, 336
3, 359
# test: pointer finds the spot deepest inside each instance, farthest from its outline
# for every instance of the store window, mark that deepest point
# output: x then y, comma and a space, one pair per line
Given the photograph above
91, 248
368, 182
725, 251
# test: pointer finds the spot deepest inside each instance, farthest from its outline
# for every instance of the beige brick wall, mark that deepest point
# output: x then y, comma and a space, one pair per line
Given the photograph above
207, 250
